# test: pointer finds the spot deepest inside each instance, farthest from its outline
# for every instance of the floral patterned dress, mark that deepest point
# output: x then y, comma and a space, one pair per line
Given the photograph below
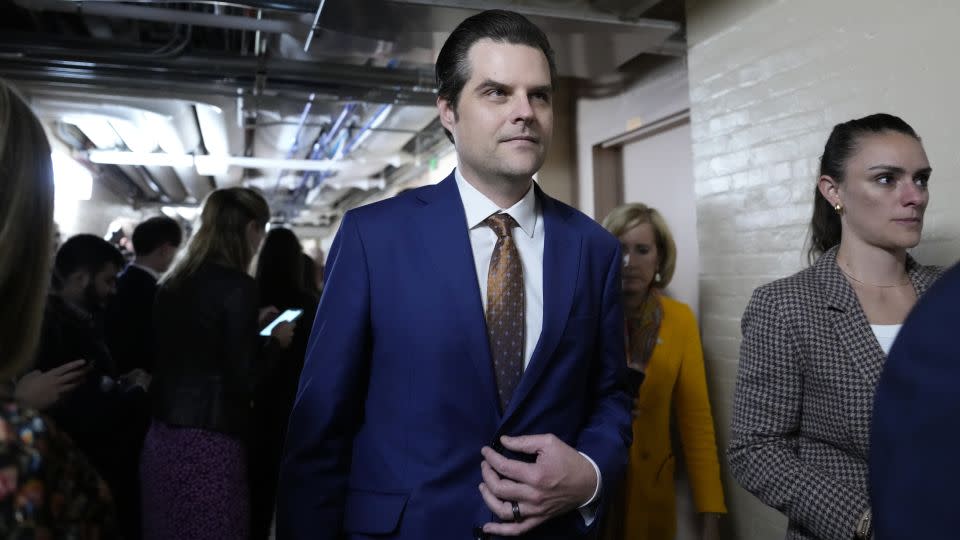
48, 490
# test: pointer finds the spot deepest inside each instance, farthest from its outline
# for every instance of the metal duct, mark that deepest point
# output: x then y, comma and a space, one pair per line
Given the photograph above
222, 76
175, 16
298, 6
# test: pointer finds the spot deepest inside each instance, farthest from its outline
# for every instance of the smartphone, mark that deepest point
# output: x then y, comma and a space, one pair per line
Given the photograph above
289, 315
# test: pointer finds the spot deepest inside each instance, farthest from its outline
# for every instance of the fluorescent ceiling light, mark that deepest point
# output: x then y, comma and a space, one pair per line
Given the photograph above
187, 213
97, 128
147, 159
72, 181
216, 163
136, 138
212, 129
211, 165
166, 136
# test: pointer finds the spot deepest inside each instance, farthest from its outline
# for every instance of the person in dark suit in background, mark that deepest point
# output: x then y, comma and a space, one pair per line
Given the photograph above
465, 374
129, 321
914, 470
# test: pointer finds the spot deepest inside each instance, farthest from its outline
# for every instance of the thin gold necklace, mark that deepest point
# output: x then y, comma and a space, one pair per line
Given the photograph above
907, 282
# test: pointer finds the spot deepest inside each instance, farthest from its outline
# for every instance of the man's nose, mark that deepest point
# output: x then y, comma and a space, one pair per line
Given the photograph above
523, 111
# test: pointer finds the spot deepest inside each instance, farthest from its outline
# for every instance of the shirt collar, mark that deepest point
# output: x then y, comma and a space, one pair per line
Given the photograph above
153, 273
478, 207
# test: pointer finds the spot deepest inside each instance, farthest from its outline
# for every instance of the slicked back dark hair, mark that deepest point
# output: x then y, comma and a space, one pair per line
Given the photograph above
453, 63
842, 144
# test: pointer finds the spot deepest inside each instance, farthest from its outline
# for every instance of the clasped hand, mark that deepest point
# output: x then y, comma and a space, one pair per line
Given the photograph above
560, 480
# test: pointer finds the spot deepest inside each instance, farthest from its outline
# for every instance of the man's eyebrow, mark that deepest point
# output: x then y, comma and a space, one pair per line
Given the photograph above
490, 83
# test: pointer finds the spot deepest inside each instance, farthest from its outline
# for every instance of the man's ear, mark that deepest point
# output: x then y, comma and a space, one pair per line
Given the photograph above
448, 113
830, 189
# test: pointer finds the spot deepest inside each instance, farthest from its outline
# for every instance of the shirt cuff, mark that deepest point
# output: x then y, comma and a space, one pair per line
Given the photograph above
588, 510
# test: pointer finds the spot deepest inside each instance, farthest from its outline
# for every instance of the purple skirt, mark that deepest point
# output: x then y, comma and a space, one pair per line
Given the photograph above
194, 485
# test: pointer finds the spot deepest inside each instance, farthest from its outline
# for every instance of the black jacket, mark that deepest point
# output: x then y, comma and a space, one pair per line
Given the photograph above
95, 407
207, 351
104, 416
129, 322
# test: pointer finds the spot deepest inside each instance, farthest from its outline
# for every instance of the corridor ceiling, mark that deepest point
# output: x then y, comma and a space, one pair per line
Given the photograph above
165, 101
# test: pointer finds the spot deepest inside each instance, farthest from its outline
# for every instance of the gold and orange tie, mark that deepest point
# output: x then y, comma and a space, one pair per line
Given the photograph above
505, 314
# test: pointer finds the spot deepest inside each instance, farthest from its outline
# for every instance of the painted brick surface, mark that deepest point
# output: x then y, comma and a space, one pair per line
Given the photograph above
768, 79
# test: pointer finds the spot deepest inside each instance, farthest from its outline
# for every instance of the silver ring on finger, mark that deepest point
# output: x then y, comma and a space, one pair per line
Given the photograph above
517, 516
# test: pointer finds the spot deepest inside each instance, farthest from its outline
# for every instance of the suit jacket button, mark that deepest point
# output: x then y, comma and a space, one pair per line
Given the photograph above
478, 534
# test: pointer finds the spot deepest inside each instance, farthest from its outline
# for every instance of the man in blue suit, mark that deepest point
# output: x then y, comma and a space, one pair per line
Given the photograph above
463, 377
914, 469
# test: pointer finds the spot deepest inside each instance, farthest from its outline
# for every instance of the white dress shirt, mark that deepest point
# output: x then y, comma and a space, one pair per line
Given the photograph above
528, 237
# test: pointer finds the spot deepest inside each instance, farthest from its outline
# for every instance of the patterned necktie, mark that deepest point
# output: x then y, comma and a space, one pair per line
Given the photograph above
505, 316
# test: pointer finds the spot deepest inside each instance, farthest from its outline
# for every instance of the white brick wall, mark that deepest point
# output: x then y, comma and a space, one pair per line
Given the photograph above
768, 79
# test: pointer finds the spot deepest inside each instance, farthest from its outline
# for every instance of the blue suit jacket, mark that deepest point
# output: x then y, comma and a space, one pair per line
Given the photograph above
397, 396
914, 469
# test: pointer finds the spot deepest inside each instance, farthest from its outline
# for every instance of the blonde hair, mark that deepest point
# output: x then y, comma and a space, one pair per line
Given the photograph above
26, 218
221, 237
628, 216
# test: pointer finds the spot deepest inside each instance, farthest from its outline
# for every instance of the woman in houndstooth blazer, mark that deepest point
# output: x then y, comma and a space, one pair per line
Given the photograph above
814, 344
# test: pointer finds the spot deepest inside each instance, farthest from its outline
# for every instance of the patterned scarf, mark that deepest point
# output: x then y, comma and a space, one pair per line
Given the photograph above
643, 329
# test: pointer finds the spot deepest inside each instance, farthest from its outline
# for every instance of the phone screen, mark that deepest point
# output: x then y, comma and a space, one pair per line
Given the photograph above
288, 315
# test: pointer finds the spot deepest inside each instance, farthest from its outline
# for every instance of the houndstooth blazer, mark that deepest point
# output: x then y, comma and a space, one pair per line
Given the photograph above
809, 367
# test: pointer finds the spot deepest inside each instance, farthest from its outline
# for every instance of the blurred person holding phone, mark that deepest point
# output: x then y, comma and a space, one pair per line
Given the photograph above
48, 489
209, 359
42, 389
280, 281
106, 413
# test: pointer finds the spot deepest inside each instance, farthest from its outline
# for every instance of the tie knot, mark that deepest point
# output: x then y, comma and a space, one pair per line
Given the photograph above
501, 223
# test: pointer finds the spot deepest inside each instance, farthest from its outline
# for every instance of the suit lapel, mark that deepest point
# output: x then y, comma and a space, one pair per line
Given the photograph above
446, 240
853, 331
561, 267
852, 327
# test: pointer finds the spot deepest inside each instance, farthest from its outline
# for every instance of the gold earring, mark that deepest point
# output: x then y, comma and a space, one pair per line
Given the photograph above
839, 208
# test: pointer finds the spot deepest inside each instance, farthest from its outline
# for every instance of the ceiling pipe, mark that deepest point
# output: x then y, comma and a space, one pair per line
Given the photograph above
551, 12
174, 16
295, 147
313, 27
159, 159
297, 6
215, 75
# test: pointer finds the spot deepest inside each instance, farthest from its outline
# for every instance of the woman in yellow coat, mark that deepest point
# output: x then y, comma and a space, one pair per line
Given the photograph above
663, 341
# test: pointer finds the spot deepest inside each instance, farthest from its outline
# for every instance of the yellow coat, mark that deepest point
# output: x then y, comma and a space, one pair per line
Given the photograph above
675, 381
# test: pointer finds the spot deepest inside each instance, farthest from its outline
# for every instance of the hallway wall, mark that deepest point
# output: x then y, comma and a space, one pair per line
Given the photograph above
768, 80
